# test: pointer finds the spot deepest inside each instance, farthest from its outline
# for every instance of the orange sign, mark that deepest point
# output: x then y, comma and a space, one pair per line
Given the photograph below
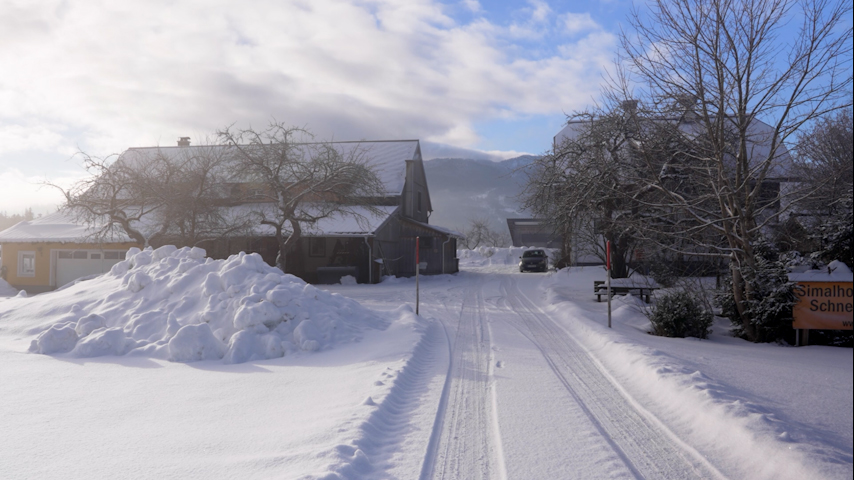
823, 306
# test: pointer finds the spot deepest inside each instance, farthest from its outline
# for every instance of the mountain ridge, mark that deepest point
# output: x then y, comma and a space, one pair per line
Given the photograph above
462, 189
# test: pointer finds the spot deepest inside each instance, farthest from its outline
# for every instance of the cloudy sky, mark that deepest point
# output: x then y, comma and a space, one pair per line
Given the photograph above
464, 77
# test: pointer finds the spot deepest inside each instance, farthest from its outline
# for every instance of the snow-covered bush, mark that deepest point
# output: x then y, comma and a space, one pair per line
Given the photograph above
836, 236
770, 307
679, 314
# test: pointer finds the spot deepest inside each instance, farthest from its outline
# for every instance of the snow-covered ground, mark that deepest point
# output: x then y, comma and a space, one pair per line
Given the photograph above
503, 375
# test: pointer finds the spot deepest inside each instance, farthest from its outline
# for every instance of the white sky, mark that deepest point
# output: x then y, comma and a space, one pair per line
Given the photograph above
103, 76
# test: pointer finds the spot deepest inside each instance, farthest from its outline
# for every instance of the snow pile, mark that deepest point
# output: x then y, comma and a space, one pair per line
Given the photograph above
178, 305
7, 290
483, 256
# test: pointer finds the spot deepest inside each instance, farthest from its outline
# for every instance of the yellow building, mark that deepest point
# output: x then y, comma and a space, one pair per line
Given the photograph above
46, 253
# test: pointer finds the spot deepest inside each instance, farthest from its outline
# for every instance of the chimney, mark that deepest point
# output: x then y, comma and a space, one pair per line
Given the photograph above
629, 106
184, 142
686, 101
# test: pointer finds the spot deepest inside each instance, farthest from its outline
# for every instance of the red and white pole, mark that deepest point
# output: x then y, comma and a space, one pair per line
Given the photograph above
417, 268
608, 278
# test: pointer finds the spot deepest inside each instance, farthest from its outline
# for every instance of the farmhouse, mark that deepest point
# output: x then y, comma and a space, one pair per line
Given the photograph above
46, 253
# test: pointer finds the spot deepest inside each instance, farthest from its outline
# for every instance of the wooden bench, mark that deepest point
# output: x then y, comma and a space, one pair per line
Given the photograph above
644, 291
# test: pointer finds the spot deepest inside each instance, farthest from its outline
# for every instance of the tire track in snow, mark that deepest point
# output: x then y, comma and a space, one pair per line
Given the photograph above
466, 443
386, 429
647, 448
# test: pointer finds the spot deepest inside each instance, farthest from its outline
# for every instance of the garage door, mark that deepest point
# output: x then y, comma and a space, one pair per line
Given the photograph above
73, 264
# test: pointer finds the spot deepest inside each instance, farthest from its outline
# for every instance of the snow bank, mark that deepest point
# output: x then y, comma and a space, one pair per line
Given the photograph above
176, 304
7, 290
719, 417
836, 271
483, 256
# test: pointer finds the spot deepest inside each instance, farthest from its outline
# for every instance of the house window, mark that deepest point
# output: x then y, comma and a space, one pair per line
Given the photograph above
426, 243
95, 256
316, 247
26, 264
113, 255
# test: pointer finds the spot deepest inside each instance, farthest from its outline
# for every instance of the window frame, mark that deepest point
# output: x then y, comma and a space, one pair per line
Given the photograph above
21, 256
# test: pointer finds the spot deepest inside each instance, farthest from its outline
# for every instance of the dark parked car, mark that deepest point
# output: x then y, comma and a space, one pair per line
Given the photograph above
534, 260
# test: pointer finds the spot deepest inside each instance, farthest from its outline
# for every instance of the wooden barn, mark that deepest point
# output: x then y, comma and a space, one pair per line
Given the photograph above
372, 243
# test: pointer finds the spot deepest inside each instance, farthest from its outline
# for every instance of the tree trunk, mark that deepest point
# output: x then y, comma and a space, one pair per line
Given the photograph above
619, 266
742, 288
285, 245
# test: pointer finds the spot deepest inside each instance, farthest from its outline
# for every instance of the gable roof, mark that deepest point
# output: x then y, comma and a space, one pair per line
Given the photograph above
387, 157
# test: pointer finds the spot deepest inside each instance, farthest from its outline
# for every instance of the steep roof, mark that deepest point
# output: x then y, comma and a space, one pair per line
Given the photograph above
387, 157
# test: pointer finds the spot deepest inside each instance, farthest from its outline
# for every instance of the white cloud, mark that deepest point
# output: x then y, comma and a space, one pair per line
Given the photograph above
21, 191
472, 5
17, 138
579, 22
432, 150
109, 75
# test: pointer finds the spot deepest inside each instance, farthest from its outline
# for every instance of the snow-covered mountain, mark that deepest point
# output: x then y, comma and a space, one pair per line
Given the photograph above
463, 188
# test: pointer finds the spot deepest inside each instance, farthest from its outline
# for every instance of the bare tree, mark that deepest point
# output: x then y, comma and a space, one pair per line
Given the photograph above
476, 233
195, 185
825, 155
301, 181
480, 233
743, 92
825, 160
497, 238
113, 199
586, 185
155, 195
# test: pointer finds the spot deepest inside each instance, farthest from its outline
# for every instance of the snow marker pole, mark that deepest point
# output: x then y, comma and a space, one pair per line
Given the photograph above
417, 268
608, 281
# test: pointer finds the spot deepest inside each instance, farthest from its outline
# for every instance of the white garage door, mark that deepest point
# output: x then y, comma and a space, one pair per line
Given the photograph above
73, 264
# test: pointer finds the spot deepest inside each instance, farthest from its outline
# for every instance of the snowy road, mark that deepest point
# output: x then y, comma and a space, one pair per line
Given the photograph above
592, 427
469, 445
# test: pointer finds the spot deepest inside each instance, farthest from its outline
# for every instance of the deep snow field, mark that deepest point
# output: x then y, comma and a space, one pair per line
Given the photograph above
175, 365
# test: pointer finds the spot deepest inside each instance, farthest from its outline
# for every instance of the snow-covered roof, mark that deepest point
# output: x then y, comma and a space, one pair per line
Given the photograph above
60, 226
388, 158
360, 221
365, 223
